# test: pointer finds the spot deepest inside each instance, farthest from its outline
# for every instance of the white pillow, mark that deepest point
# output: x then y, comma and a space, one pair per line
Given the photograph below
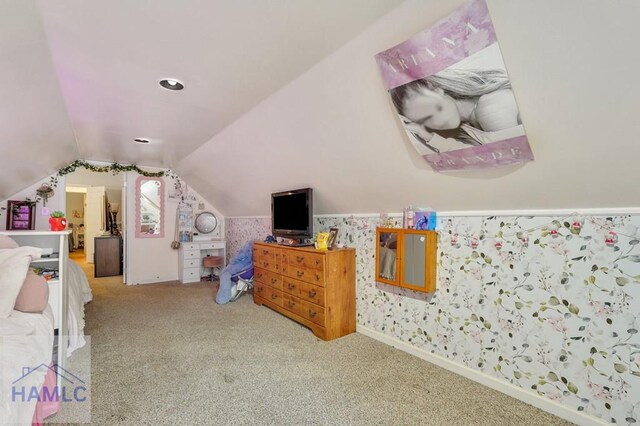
14, 264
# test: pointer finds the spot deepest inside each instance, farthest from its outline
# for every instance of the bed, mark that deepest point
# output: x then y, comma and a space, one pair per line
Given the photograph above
27, 325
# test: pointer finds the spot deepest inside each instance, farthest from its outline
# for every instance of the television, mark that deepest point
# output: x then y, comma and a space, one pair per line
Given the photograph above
292, 214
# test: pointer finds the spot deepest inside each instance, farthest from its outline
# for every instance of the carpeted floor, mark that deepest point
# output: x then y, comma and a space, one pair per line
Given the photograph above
168, 354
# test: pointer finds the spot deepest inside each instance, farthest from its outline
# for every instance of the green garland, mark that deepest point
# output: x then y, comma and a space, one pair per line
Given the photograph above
114, 168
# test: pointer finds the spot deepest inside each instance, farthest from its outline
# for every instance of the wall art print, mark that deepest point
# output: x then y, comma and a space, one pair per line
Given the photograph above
451, 90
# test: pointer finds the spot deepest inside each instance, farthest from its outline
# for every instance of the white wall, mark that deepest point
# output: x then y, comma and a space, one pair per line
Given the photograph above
573, 71
54, 203
152, 260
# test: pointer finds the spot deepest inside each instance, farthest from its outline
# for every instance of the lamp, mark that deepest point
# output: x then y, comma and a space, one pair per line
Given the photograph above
115, 208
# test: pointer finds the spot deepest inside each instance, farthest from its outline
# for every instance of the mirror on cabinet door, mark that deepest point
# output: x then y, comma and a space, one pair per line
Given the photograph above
419, 260
149, 207
387, 256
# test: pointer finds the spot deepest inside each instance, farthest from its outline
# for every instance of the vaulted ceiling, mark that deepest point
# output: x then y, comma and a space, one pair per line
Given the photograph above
80, 78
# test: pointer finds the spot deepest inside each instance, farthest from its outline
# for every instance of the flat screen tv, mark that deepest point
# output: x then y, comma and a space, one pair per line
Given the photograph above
292, 214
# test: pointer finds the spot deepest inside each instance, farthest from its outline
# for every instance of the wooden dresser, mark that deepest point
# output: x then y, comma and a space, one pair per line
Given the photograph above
314, 288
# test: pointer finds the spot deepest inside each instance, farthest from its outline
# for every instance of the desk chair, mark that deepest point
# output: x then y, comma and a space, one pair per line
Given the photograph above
212, 262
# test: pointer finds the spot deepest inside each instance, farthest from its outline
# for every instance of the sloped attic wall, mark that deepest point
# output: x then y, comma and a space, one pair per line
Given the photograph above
334, 129
36, 137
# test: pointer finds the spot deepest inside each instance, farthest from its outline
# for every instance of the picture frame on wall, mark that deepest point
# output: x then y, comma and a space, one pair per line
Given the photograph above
20, 215
333, 236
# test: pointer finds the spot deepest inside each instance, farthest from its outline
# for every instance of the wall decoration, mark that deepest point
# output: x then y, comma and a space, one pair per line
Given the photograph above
21, 215
548, 304
451, 90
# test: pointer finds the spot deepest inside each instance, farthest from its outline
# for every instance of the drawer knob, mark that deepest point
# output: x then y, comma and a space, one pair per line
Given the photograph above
299, 258
300, 273
291, 304
317, 261
312, 293
274, 296
259, 289
317, 277
274, 280
291, 286
312, 313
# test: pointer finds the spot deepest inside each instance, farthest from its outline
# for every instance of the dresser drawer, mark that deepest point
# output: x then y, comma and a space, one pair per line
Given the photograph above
189, 246
309, 292
269, 278
191, 254
314, 276
304, 259
304, 309
268, 293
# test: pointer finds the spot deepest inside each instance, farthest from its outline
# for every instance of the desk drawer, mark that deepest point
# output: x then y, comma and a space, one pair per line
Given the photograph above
190, 275
191, 263
212, 245
191, 254
189, 246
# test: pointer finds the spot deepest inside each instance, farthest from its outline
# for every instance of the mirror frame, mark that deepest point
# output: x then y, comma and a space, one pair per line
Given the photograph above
139, 182
205, 214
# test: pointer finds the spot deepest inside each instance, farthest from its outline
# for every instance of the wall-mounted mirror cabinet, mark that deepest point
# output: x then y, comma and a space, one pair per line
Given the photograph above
149, 207
407, 258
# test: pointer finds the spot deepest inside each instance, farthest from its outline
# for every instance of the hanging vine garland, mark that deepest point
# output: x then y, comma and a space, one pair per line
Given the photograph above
114, 168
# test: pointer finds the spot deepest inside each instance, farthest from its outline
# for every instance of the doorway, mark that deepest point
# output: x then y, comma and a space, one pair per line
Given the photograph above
95, 206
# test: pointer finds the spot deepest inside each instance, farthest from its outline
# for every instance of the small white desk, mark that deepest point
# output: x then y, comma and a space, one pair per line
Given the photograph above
190, 258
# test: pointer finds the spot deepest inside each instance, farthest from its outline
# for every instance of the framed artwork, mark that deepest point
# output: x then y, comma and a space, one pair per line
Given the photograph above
333, 235
20, 215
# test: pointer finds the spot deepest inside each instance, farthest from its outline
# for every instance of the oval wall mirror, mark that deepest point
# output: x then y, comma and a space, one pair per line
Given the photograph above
206, 222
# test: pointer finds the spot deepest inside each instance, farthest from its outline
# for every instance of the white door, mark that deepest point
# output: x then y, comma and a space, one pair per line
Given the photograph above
94, 218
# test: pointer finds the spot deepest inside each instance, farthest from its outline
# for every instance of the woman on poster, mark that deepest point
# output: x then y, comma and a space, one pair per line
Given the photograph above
456, 108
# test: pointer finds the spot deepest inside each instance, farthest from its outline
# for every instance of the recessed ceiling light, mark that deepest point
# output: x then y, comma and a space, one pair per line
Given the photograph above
171, 84
141, 140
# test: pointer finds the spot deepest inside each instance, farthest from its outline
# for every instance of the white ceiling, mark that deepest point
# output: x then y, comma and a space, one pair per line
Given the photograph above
81, 77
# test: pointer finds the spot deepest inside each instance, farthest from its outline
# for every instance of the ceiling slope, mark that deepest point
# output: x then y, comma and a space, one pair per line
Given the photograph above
334, 128
36, 137
109, 57
81, 76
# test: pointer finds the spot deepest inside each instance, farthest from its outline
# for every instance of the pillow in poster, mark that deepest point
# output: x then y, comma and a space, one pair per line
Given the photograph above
34, 294
14, 264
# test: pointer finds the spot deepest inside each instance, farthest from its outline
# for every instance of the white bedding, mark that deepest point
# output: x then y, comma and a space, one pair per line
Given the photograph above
26, 341
79, 294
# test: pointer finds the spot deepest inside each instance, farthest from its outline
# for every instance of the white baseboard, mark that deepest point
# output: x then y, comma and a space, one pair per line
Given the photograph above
523, 395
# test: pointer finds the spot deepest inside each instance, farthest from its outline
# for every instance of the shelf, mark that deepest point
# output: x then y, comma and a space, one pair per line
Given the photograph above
45, 260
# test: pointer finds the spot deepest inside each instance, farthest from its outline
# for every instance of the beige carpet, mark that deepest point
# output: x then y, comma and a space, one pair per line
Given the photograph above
168, 354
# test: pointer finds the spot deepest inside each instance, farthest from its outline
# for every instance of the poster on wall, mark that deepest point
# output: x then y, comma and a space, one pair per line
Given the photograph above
450, 88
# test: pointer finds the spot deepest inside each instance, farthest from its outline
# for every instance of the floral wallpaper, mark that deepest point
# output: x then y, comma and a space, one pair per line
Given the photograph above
549, 304
241, 230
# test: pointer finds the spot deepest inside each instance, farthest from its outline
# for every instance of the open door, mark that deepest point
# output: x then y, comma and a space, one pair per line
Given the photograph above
95, 220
